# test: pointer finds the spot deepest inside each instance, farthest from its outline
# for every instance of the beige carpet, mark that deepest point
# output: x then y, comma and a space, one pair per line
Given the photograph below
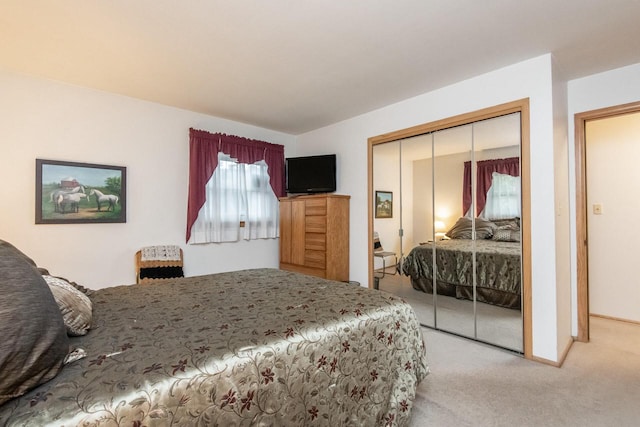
472, 384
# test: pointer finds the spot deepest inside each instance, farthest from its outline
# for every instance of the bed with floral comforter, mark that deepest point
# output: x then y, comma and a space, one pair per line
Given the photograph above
254, 347
496, 269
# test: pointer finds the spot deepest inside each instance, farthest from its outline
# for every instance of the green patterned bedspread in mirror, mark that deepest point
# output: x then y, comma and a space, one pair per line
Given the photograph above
497, 270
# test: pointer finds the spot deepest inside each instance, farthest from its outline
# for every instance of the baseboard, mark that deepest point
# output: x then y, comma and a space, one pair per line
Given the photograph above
617, 319
563, 356
566, 351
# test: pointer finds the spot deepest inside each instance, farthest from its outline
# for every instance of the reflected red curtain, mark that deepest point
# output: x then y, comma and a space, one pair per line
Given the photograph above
466, 188
203, 160
484, 169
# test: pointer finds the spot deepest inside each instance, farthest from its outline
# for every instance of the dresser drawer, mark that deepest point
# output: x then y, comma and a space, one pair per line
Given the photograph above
315, 224
315, 207
314, 259
315, 241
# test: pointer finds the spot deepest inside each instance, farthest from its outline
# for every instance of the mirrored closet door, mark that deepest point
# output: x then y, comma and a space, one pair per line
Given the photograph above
453, 279
455, 229
498, 206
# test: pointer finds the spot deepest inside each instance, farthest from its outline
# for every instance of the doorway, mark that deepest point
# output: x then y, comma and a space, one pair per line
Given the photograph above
582, 207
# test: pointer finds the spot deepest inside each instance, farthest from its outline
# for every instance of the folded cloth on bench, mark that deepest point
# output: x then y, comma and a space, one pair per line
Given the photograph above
161, 253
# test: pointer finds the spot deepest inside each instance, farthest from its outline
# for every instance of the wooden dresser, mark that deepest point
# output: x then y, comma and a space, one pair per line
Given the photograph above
314, 235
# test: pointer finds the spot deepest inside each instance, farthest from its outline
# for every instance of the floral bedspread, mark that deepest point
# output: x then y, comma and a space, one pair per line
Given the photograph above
254, 347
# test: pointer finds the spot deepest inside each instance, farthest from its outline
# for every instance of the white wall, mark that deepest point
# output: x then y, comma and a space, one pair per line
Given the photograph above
448, 193
615, 87
561, 208
387, 178
612, 150
529, 79
407, 200
50, 120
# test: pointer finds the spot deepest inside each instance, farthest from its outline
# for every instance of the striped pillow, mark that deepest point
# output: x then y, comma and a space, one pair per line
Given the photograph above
76, 307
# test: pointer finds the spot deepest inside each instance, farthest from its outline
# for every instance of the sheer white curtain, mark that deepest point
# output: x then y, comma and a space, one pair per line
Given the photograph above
240, 204
503, 197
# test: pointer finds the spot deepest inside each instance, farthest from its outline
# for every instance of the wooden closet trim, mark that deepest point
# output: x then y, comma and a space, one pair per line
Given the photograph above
522, 106
582, 244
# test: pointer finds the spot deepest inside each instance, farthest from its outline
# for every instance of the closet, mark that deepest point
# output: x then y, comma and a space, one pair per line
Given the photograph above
459, 222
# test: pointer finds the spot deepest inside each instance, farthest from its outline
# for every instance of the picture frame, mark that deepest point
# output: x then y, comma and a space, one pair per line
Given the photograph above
80, 193
384, 204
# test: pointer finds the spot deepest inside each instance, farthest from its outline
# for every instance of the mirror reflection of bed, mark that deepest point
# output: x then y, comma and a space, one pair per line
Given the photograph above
463, 181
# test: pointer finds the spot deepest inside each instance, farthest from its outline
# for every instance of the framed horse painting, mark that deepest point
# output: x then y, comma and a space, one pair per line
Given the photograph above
384, 204
71, 192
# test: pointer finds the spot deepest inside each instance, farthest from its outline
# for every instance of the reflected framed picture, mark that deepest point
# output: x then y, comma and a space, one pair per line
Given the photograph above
384, 204
84, 193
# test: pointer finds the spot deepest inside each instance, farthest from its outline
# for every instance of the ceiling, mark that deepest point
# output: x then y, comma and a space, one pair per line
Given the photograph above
294, 66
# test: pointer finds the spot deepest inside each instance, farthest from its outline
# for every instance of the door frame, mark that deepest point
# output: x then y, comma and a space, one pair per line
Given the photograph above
582, 244
522, 106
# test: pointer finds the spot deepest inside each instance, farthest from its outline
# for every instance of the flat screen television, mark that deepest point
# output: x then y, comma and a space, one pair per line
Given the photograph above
311, 174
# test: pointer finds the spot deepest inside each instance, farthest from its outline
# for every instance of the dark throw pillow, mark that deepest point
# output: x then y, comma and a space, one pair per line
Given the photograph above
504, 234
508, 230
34, 340
484, 228
463, 229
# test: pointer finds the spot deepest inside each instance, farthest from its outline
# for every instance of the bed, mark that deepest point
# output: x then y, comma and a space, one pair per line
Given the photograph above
253, 347
498, 266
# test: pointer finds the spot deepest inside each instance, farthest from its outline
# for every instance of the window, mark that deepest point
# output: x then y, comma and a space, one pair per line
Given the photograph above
503, 197
507, 190
240, 204
234, 185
